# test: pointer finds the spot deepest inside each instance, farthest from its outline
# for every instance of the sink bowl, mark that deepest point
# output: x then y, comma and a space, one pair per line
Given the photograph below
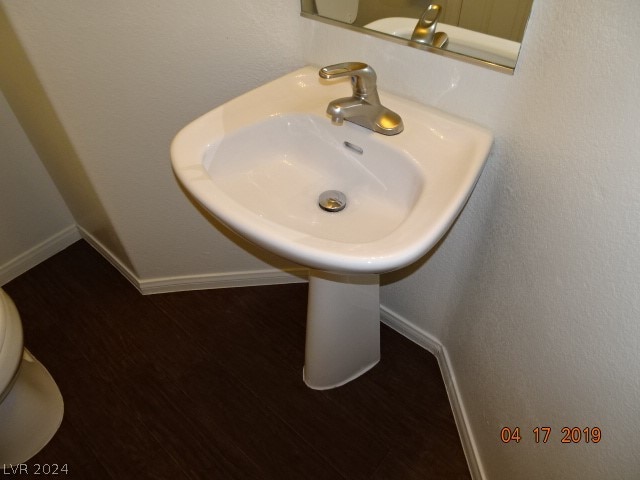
467, 42
260, 164
277, 169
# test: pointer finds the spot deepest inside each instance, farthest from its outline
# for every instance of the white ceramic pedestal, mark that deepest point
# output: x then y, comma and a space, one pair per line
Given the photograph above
343, 328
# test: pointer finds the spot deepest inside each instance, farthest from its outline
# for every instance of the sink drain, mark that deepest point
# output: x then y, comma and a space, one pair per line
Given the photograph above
332, 201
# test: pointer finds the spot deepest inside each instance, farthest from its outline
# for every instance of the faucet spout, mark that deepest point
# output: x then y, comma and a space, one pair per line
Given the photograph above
425, 30
363, 107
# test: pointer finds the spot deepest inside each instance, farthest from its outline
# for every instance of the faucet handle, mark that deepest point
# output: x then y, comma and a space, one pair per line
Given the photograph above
343, 69
363, 79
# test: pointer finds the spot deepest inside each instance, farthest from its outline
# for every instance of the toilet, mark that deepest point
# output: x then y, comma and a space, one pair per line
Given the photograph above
31, 405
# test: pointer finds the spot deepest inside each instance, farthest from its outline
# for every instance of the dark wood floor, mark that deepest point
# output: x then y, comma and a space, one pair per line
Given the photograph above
208, 385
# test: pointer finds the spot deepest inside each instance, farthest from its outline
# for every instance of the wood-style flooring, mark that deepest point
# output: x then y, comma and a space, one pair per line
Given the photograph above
208, 385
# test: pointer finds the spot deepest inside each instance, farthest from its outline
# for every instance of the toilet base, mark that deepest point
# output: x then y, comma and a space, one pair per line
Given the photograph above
30, 414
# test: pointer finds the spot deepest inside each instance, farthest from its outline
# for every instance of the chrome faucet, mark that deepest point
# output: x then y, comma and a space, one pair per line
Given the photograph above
364, 107
425, 31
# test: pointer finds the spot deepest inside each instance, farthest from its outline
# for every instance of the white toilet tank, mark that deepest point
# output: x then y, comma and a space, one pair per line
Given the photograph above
341, 10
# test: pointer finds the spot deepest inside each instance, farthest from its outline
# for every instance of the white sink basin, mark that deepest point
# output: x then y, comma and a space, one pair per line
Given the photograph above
277, 168
467, 42
259, 162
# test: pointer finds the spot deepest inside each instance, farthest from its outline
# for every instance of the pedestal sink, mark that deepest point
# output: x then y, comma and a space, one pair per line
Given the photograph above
260, 162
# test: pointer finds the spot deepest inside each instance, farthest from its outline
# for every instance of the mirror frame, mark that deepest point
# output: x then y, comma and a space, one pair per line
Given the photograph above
309, 5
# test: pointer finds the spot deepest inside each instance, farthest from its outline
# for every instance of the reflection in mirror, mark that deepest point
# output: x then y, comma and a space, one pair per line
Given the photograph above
485, 32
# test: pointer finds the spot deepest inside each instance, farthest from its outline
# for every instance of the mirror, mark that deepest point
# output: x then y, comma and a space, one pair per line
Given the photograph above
483, 32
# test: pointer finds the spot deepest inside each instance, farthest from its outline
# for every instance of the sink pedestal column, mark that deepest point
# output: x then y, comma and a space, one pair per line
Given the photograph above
343, 328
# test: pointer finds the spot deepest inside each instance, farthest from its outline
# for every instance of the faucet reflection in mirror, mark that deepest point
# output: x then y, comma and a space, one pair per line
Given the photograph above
482, 32
425, 30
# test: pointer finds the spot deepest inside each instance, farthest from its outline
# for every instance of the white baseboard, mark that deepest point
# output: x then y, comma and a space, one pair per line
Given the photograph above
433, 345
37, 254
110, 257
197, 282
249, 278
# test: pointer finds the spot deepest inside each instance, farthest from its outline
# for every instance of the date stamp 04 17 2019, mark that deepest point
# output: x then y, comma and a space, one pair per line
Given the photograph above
568, 435
35, 469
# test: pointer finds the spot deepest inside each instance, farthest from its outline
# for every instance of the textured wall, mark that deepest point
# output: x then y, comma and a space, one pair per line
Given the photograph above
122, 78
31, 209
535, 293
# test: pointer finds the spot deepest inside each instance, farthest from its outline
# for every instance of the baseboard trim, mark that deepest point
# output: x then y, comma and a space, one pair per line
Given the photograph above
433, 345
108, 255
35, 255
249, 278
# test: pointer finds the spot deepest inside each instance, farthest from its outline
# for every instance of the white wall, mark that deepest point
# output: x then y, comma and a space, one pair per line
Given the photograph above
535, 293
122, 78
34, 220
